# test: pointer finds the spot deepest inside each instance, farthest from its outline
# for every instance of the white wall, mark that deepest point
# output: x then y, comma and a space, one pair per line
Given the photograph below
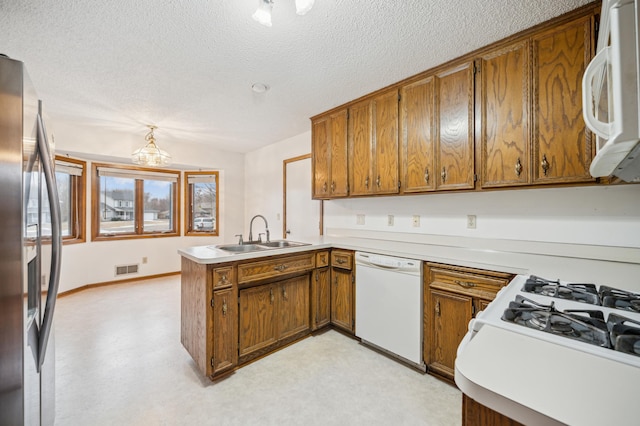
263, 177
94, 262
604, 215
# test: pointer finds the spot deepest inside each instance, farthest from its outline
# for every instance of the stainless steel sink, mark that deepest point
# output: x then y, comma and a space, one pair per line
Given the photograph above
281, 244
247, 248
240, 248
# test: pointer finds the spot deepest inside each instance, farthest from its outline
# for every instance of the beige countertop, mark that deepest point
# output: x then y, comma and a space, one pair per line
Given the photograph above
616, 266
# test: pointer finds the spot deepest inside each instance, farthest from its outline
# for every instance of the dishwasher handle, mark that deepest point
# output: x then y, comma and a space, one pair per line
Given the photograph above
387, 262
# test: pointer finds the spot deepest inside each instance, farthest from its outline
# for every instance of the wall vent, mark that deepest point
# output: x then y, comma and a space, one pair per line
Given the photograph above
126, 269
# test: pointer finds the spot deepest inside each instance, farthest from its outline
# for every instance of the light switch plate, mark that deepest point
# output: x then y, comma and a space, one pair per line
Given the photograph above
471, 221
390, 220
360, 219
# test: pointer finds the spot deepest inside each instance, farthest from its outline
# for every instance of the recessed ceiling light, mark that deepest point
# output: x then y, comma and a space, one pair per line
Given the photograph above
259, 87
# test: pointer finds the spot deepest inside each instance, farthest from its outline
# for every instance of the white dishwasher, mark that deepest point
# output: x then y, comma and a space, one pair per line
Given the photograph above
389, 305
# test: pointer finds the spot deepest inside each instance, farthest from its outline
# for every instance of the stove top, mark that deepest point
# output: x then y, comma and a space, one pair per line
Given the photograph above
603, 321
586, 293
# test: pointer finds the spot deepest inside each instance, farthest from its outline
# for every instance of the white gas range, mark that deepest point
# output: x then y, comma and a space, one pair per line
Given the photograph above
549, 352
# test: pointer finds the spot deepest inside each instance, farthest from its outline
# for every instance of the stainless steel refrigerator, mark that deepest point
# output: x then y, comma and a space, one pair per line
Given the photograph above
30, 250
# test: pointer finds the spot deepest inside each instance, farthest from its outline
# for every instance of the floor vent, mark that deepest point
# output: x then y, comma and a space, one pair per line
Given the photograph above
126, 269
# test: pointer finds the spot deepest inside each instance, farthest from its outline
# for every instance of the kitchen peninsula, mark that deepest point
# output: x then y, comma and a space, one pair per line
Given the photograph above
238, 307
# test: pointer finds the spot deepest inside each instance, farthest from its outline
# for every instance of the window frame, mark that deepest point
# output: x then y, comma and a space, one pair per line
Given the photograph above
138, 203
78, 197
188, 204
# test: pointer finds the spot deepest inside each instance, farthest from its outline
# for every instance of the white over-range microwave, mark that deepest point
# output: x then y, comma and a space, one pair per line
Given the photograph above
611, 96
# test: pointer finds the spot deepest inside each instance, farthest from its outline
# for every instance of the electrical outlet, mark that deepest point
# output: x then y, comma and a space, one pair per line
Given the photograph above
278, 216
390, 220
416, 221
144, 259
360, 219
471, 221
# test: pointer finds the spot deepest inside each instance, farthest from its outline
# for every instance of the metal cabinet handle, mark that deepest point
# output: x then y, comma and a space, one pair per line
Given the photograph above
443, 175
280, 268
378, 181
518, 167
366, 182
271, 295
340, 261
438, 308
224, 307
333, 186
284, 294
465, 284
545, 164
223, 279
426, 175
324, 187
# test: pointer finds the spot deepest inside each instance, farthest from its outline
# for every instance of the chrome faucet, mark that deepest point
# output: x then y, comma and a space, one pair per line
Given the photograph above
266, 229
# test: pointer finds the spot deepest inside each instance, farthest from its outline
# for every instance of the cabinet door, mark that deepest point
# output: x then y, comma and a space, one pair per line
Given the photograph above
342, 301
320, 299
451, 314
455, 128
225, 334
417, 147
320, 147
293, 306
257, 318
504, 108
562, 146
360, 148
339, 186
386, 143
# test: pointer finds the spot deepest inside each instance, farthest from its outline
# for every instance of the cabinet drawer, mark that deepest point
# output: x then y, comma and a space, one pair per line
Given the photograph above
468, 283
322, 259
254, 271
223, 277
342, 259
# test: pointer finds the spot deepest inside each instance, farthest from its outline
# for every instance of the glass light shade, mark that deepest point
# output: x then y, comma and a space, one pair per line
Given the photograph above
303, 6
151, 155
263, 13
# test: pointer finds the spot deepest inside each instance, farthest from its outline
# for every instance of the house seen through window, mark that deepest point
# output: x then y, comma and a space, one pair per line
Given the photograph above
133, 202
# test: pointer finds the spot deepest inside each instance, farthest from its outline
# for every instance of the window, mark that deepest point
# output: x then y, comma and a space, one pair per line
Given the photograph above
201, 203
130, 202
70, 179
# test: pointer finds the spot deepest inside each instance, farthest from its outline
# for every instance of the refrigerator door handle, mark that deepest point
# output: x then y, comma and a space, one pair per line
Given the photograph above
56, 240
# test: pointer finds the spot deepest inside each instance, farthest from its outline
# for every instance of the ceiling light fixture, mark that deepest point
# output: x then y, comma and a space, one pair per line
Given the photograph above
303, 6
151, 155
263, 13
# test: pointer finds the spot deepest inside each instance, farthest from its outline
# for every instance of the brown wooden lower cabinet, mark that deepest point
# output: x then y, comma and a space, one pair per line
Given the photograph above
476, 414
257, 318
271, 313
342, 299
452, 296
320, 298
451, 316
225, 342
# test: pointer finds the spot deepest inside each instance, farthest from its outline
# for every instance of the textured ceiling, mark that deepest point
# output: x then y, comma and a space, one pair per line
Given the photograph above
188, 66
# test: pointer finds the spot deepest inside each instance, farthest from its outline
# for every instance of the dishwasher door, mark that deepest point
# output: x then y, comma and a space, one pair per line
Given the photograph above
389, 305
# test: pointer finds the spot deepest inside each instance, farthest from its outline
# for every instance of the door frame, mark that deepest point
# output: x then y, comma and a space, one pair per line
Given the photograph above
284, 195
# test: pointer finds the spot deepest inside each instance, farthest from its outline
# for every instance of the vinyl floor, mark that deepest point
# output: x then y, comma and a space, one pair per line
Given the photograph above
119, 361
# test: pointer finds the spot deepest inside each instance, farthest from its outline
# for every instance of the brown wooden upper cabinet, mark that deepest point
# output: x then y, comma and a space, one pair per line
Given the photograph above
454, 128
562, 146
417, 150
373, 145
329, 134
504, 107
